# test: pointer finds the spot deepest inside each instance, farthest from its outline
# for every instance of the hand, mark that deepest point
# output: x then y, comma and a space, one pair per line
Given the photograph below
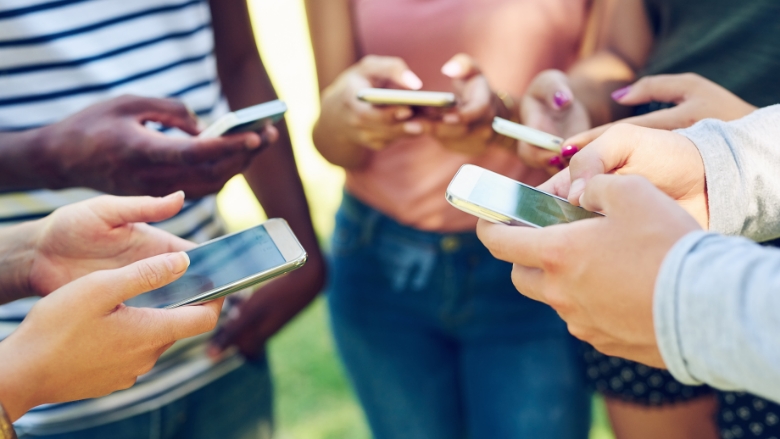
360, 123
82, 342
669, 160
101, 233
599, 274
550, 105
107, 147
467, 128
696, 98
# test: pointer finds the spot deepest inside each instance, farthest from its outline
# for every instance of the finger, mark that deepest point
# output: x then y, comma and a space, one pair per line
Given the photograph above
518, 245
385, 70
605, 154
536, 157
552, 87
168, 112
118, 211
461, 66
165, 149
476, 101
189, 321
529, 282
615, 194
658, 88
559, 184
109, 288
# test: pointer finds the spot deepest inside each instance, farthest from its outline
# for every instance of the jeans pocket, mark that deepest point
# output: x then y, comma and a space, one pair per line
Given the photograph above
407, 264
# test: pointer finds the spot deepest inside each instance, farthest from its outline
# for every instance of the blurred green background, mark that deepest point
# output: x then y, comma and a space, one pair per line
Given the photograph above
312, 397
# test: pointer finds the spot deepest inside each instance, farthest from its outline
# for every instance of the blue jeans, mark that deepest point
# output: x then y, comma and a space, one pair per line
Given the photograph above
235, 406
439, 344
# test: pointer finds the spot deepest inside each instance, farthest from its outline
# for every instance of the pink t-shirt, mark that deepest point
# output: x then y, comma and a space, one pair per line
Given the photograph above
512, 40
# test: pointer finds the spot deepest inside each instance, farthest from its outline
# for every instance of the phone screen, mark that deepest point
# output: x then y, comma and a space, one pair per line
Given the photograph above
216, 264
523, 203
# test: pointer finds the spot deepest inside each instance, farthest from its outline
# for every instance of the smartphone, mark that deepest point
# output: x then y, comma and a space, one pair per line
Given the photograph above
500, 199
229, 264
252, 118
527, 134
386, 96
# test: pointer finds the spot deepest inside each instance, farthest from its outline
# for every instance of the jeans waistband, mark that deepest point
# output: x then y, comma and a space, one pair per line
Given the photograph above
374, 223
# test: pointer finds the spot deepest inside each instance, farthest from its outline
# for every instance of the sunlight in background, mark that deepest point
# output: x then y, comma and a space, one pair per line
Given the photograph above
283, 37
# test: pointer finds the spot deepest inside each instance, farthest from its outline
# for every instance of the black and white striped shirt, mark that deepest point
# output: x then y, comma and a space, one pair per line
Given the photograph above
58, 57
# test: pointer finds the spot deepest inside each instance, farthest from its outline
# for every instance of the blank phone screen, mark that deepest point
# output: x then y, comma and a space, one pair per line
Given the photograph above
524, 204
216, 264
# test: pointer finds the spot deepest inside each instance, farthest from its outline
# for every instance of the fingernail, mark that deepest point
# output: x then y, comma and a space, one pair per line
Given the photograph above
177, 194
620, 93
403, 113
557, 162
577, 187
252, 142
451, 118
561, 98
413, 128
569, 150
411, 80
452, 69
178, 262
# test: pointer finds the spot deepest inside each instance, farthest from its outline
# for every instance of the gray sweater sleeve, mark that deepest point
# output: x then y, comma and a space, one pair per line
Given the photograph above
742, 166
717, 313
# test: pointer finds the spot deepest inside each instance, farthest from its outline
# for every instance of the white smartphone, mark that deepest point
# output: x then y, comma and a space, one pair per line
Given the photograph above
229, 264
252, 118
500, 199
386, 96
527, 134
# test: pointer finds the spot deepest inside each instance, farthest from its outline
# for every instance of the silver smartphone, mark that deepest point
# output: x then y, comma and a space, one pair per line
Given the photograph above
500, 199
252, 118
527, 134
412, 98
229, 264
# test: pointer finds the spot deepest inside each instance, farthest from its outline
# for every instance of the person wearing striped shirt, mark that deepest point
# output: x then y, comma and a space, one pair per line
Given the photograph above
70, 128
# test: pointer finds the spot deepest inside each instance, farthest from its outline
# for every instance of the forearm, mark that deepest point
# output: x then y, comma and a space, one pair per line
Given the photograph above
593, 80
741, 160
333, 143
17, 252
715, 312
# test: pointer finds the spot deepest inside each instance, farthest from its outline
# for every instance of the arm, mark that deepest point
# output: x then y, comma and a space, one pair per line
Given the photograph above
17, 252
715, 313
273, 177
741, 161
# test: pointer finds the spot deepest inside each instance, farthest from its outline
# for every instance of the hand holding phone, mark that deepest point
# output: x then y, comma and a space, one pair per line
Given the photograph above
230, 264
500, 199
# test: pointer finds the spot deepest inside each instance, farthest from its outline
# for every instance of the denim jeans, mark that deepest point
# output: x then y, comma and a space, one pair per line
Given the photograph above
235, 406
438, 343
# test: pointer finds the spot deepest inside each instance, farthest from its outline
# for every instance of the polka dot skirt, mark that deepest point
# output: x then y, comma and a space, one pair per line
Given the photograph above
742, 415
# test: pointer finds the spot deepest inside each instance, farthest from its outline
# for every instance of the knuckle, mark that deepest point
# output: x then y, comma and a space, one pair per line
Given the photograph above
579, 331
553, 254
148, 275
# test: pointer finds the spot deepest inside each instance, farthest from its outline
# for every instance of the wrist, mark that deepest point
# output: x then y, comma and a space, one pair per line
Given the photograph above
16, 380
18, 248
43, 161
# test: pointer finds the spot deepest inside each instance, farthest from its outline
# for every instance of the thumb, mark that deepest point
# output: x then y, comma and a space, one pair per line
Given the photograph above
118, 211
657, 88
604, 155
613, 194
552, 88
187, 321
381, 69
461, 66
113, 287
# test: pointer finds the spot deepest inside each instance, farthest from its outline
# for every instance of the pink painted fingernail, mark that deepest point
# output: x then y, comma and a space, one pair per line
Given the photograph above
620, 93
569, 150
411, 80
560, 99
557, 162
